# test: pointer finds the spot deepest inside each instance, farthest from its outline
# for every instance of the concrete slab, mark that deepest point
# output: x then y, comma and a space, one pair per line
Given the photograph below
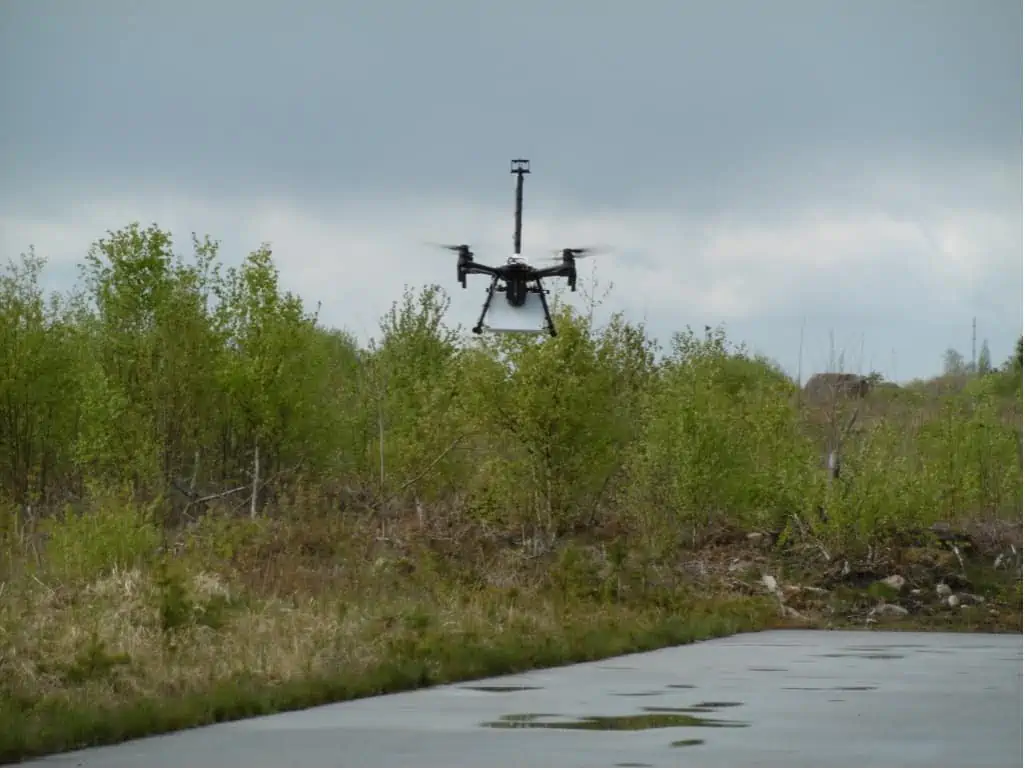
778, 698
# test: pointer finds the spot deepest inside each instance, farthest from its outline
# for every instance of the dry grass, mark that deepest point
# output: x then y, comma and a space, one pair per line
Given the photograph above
192, 640
140, 651
305, 605
108, 641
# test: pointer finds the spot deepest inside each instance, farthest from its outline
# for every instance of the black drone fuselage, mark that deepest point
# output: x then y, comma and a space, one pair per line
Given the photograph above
516, 279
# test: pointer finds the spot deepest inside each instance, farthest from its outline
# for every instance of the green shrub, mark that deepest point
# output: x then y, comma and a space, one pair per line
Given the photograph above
110, 533
721, 445
161, 372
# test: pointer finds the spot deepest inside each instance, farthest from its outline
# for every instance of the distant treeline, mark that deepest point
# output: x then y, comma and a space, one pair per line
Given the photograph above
180, 381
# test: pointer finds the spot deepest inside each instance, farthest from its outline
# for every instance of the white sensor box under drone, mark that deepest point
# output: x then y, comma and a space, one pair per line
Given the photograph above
529, 318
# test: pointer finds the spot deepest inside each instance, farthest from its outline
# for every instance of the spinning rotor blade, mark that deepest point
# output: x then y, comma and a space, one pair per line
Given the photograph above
583, 251
456, 247
560, 255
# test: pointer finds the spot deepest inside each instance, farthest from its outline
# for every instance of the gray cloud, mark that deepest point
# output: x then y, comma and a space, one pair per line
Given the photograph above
619, 103
857, 165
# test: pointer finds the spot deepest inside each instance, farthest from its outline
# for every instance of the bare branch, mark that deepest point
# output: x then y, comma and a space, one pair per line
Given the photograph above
194, 500
195, 472
218, 495
403, 487
256, 479
850, 425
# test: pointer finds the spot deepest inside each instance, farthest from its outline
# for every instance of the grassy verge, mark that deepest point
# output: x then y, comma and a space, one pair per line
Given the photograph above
102, 672
241, 618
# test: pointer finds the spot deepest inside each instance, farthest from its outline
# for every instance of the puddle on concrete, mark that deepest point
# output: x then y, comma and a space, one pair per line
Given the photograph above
650, 721
501, 687
852, 688
687, 742
639, 694
718, 704
764, 668
880, 647
862, 655
618, 668
837, 700
681, 686
705, 707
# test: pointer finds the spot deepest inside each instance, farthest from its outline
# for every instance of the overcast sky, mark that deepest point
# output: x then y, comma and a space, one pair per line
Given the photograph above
856, 166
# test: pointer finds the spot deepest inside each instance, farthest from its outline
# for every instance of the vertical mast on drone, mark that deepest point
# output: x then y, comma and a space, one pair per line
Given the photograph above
519, 167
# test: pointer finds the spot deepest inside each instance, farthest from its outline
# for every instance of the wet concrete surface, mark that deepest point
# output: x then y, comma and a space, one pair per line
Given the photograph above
772, 699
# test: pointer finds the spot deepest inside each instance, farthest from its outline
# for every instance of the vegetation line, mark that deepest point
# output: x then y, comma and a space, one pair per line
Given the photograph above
212, 506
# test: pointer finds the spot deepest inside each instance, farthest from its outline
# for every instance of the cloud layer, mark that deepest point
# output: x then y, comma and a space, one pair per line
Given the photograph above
888, 279
854, 167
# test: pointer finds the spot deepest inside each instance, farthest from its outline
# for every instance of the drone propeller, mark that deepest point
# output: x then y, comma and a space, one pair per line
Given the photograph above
562, 255
584, 251
456, 247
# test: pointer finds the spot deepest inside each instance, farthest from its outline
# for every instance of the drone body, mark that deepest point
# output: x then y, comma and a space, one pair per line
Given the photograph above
515, 299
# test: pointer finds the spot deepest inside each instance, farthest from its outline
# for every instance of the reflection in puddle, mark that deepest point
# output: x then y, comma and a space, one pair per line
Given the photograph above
687, 742
500, 687
705, 707
681, 686
641, 694
650, 721
766, 668
676, 710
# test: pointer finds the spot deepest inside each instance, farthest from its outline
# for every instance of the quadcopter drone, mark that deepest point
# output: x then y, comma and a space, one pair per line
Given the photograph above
518, 282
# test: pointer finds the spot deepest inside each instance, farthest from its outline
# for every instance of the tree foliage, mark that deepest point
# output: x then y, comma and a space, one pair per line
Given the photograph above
176, 380
953, 362
985, 362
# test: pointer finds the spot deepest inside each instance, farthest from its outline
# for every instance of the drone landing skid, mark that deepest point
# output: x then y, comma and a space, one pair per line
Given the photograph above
499, 317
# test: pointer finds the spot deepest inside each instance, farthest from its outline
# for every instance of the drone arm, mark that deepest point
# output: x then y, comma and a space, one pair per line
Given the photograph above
477, 268
556, 271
